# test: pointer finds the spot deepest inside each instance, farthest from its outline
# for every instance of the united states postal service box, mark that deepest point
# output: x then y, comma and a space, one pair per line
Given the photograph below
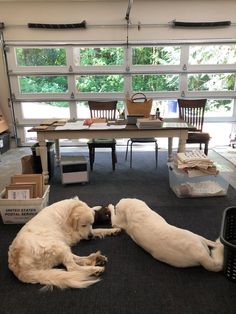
21, 211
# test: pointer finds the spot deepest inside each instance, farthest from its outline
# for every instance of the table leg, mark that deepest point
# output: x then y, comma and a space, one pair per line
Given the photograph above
182, 141
57, 148
170, 151
44, 160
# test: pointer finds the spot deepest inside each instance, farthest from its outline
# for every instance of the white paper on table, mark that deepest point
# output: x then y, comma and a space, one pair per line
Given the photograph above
175, 125
99, 125
117, 126
104, 126
78, 125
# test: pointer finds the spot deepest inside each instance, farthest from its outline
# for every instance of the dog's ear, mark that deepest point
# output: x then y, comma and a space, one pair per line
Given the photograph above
73, 218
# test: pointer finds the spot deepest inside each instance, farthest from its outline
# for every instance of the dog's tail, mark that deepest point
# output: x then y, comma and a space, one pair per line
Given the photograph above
60, 278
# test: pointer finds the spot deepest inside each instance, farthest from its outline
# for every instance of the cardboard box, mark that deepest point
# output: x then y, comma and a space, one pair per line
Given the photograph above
30, 178
21, 211
74, 169
201, 186
3, 124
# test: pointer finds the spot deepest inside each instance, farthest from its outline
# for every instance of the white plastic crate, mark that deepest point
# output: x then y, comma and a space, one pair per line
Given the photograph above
201, 186
21, 211
74, 169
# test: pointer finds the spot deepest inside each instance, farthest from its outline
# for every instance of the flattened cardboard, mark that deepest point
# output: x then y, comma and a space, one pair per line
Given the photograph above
24, 185
34, 178
3, 124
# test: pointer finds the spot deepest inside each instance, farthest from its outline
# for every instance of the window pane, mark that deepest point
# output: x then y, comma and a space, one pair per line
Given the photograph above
100, 83
145, 82
29, 137
83, 109
168, 107
211, 82
156, 55
40, 56
219, 108
98, 56
45, 110
43, 84
212, 54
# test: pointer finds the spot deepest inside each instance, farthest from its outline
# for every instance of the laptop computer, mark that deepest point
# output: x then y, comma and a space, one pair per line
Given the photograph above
132, 118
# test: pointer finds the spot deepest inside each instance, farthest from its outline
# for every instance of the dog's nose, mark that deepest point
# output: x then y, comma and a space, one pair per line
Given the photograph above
90, 236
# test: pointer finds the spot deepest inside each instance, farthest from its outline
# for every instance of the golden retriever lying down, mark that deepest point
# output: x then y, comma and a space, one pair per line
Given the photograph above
44, 242
169, 244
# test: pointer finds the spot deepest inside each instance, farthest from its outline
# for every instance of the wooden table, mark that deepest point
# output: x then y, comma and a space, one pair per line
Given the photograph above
176, 129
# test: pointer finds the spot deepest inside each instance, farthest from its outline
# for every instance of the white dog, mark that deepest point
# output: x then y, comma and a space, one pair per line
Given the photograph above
44, 242
169, 244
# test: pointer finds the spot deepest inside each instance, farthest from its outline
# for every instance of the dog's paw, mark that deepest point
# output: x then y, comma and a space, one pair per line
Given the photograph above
97, 271
97, 259
101, 260
116, 231
110, 207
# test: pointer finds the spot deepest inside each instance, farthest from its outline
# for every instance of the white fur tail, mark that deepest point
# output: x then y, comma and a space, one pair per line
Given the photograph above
60, 278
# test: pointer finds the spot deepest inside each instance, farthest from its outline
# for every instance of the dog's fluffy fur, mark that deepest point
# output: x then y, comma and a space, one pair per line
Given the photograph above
167, 243
44, 242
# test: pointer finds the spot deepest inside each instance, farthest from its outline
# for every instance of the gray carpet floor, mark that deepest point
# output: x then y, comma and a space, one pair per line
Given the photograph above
133, 282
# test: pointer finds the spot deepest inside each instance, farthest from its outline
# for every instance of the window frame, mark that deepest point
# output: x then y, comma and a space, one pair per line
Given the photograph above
127, 70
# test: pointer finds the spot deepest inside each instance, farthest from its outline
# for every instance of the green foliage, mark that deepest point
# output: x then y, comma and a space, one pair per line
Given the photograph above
155, 82
100, 83
101, 56
156, 55
41, 56
211, 82
215, 104
212, 54
114, 56
43, 84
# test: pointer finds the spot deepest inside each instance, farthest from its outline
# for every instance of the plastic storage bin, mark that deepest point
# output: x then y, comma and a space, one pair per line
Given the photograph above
228, 238
4, 142
202, 186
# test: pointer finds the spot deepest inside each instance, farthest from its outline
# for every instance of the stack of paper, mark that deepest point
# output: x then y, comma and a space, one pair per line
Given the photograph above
146, 123
196, 163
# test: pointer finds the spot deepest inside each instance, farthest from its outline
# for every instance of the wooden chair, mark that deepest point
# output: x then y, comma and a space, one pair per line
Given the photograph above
192, 111
104, 110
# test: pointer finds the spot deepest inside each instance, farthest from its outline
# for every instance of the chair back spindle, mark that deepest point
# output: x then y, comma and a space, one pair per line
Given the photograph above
104, 110
192, 111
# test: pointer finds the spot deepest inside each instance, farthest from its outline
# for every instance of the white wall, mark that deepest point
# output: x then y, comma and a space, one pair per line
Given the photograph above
17, 14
